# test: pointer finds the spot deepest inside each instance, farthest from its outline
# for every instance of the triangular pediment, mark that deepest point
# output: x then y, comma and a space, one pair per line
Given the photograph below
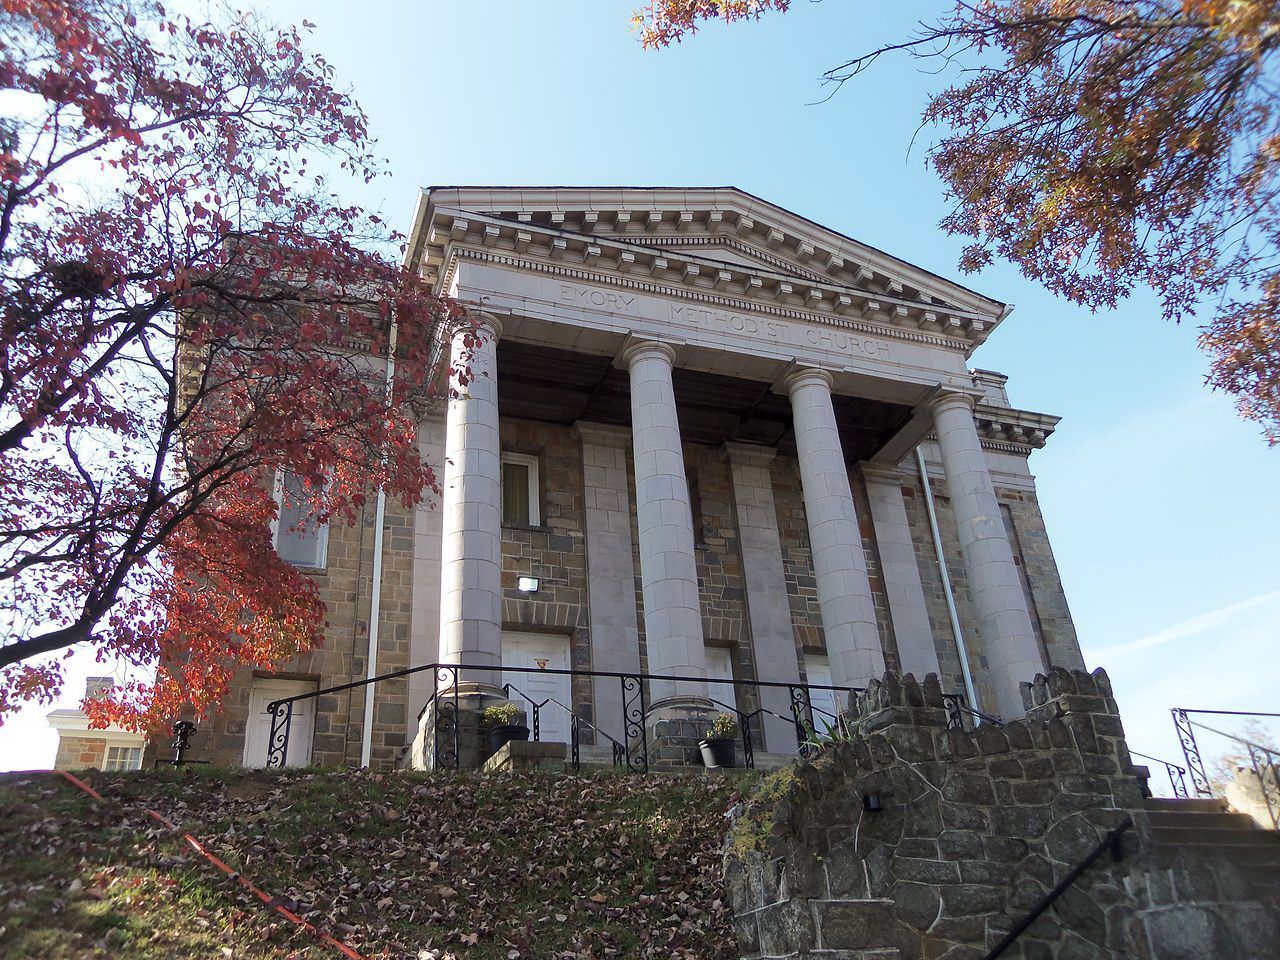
717, 237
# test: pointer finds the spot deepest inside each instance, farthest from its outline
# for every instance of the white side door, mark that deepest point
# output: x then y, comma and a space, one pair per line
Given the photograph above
825, 703
719, 670
257, 735
539, 652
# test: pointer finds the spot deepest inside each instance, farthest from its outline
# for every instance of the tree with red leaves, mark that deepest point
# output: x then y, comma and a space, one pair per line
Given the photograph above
1103, 146
188, 312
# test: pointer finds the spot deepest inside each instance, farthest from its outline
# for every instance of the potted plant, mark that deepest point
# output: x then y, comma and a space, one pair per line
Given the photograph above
720, 748
503, 722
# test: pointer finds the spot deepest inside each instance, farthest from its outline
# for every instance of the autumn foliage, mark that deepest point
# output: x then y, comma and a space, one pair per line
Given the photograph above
187, 310
1106, 146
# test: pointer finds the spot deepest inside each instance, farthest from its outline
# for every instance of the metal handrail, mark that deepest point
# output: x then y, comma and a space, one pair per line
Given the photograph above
445, 701
1264, 760
575, 721
1176, 774
1110, 842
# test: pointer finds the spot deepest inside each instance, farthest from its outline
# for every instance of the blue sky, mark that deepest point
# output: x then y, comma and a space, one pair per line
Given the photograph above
1161, 505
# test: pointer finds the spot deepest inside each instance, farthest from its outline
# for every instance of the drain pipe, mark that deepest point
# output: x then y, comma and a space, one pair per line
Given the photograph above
946, 581
375, 596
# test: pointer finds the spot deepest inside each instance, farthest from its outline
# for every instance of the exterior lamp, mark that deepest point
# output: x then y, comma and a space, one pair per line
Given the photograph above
527, 584
872, 803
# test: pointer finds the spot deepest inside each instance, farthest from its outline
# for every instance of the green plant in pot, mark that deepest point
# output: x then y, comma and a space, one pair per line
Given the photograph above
720, 748
502, 723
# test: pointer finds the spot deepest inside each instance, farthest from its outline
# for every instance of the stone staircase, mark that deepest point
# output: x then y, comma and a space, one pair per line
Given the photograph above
1205, 826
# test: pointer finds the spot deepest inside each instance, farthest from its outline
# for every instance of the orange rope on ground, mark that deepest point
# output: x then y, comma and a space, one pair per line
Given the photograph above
261, 894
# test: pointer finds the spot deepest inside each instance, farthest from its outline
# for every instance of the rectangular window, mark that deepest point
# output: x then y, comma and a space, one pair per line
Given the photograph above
122, 758
520, 490
300, 539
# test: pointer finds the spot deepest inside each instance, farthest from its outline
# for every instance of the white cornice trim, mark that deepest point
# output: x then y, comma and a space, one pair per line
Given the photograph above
459, 253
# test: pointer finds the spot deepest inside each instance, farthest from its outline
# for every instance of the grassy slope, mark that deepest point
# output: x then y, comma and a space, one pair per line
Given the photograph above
396, 865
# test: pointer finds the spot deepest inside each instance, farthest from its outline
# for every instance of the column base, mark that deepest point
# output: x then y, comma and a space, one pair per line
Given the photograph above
677, 727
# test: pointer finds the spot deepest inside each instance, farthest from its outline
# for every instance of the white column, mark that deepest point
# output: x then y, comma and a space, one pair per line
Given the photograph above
768, 606
901, 573
668, 569
424, 616
1004, 622
844, 593
471, 520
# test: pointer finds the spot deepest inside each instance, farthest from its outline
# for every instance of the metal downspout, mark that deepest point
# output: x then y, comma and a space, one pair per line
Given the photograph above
375, 597
969, 690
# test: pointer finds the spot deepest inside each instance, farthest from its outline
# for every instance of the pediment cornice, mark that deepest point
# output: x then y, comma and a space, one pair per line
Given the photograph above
691, 276
674, 235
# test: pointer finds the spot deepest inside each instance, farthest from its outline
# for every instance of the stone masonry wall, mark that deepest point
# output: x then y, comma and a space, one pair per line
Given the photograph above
346, 588
1047, 603
79, 753
721, 587
554, 551
975, 828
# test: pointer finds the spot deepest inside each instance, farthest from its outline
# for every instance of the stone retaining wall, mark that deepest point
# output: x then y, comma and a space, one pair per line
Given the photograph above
974, 829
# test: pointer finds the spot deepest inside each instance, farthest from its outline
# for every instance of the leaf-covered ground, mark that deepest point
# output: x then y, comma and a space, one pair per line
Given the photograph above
396, 865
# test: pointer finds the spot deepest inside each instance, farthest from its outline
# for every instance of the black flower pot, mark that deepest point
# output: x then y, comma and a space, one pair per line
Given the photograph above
719, 753
495, 737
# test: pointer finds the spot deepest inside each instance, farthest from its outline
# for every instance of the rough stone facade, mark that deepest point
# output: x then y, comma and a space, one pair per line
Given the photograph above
553, 550
80, 753
974, 828
345, 586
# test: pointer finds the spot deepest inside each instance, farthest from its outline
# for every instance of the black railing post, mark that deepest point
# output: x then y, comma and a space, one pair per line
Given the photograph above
1191, 750
800, 709
748, 750
537, 722
278, 742
182, 731
634, 710
1264, 769
457, 721
573, 742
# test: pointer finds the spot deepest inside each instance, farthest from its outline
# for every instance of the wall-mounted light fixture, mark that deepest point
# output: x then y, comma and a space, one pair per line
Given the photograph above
527, 584
871, 803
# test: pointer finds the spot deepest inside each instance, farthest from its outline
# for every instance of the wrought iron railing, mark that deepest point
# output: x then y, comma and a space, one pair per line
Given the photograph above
576, 723
1264, 760
1177, 775
961, 716
630, 750
1112, 842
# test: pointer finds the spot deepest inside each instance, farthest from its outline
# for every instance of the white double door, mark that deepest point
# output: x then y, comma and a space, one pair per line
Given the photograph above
825, 703
257, 734
720, 679
538, 653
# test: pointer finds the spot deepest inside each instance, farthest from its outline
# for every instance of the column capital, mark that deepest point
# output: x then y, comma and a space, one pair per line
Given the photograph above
950, 399
489, 325
807, 376
749, 454
646, 350
475, 322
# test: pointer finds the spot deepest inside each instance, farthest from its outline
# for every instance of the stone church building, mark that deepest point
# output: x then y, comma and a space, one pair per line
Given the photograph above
706, 438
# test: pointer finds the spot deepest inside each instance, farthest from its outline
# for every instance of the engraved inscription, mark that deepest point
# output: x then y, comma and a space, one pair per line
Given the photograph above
847, 342
722, 321
593, 297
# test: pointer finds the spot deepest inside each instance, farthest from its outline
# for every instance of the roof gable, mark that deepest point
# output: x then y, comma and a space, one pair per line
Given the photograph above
714, 236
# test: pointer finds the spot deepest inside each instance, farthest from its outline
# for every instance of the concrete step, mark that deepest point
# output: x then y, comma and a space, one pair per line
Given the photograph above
1192, 805
1216, 820
1184, 835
